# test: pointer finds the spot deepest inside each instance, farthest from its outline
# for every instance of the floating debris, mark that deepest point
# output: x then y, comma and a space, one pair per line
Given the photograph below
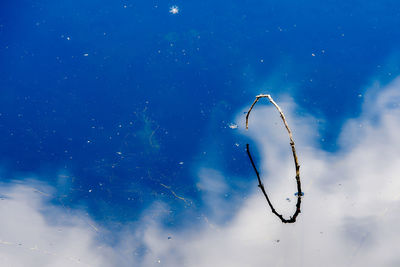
292, 219
173, 193
174, 10
233, 126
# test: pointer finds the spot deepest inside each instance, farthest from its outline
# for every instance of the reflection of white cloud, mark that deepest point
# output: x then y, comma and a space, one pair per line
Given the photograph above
28, 238
349, 212
350, 207
213, 187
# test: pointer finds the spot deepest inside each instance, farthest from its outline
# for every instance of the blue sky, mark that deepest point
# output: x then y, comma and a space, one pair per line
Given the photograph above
114, 119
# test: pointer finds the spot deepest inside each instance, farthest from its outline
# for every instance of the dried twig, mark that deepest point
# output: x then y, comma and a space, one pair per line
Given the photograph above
296, 163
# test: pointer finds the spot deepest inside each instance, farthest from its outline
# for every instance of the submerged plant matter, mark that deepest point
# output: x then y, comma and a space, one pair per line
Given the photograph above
296, 163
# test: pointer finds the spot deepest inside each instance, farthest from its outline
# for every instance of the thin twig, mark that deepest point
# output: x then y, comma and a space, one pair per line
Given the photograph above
296, 163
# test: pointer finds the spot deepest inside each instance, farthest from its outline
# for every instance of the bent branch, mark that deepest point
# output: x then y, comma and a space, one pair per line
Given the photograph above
296, 163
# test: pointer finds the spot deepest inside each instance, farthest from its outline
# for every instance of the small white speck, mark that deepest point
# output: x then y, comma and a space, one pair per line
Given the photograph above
68, 38
90, 190
233, 126
236, 144
88, 141
86, 54
119, 153
174, 10
181, 163
313, 54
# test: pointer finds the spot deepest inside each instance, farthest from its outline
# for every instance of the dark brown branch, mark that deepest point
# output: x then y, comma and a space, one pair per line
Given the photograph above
297, 166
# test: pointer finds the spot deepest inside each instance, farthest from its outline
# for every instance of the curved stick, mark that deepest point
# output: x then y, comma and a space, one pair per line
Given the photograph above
296, 163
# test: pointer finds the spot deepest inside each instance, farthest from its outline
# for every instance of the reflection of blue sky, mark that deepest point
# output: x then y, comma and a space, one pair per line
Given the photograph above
117, 110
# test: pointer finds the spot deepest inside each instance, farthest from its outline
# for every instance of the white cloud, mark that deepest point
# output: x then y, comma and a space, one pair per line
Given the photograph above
350, 207
35, 233
349, 213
